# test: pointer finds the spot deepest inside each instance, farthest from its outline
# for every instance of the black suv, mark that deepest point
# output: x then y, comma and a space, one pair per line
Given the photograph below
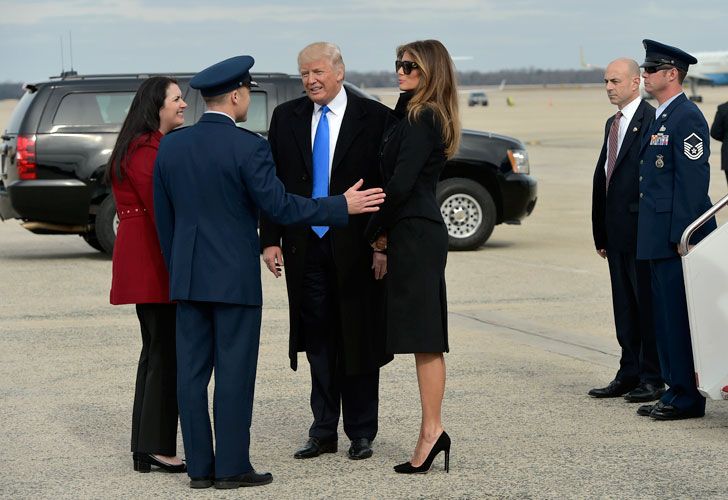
62, 131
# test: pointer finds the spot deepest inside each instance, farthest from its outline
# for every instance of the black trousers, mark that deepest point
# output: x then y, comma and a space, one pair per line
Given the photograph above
154, 417
332, 390
633, 318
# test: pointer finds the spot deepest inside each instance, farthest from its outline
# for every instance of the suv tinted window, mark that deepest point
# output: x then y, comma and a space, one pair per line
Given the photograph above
257, 113
20, 109
89, 109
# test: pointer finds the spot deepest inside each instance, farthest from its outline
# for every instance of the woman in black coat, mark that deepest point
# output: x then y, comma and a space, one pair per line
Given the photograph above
410, 229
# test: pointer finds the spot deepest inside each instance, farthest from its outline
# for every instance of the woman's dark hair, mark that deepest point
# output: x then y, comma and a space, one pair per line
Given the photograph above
143, 118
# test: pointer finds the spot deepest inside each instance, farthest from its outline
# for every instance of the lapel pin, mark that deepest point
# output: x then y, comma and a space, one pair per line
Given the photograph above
635, 129
664, 116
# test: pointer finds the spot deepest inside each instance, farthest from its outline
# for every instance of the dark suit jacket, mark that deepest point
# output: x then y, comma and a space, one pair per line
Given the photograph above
614, 212
719, 132
210, 180
355, 157
675, 179
413, 157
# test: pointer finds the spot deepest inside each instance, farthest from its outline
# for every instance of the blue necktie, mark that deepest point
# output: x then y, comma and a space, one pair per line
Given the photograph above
321, 164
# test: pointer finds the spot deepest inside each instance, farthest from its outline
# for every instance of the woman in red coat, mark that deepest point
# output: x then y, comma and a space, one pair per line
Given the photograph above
139, 275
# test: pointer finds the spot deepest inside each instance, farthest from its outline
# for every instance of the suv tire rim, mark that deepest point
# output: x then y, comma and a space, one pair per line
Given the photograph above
462, 215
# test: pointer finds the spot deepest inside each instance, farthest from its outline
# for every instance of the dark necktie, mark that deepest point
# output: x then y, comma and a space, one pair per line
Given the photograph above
613, 141
321, 164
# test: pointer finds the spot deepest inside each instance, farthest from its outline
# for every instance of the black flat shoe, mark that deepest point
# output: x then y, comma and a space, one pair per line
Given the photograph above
669, 412
615, 389
244, 480
143, 463
197, 483
360, 449
442, 444
315, 447
645, 393
646, 410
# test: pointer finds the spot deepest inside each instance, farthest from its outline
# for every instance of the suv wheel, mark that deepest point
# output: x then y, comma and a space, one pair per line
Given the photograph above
91, 239
468, 211
107, 222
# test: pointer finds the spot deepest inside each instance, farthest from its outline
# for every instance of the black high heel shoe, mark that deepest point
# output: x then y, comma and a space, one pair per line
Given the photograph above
442, 444
143, 463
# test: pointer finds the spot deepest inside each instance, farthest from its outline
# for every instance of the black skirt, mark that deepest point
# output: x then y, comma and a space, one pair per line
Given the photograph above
416, 303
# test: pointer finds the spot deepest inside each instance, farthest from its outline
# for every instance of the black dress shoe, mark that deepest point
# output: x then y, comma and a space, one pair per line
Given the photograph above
315, 447
646, 410
615, 389
360, 449
143, 463
244, 480
669, 412
201, 482
645, 392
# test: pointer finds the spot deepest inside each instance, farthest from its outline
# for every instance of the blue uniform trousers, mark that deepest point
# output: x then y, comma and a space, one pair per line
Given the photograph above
226, 337
672, 330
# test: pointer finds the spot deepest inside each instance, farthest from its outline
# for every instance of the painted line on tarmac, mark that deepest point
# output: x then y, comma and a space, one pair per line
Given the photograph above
582, 347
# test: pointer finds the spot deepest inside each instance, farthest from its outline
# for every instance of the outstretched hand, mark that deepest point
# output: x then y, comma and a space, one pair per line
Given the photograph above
360, 202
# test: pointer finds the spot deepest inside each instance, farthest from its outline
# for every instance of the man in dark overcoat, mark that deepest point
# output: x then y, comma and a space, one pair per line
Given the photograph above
210, 182
320, 143
674, 179
615, 202
719, 132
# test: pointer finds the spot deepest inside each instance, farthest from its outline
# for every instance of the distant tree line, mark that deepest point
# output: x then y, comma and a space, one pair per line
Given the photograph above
526, 76
10, 90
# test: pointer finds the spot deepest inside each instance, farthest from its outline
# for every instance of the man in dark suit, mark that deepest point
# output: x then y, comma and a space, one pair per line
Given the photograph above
719, 132
674, 179
210, 182
320, 142
615, 202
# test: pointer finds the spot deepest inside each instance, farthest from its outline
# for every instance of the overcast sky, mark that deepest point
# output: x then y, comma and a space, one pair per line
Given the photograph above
185, 35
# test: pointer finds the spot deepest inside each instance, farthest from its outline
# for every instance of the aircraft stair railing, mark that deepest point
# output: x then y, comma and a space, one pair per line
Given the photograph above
705, 269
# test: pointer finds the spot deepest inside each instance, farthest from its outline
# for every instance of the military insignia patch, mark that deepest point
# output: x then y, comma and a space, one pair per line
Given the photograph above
693, 146
659, 162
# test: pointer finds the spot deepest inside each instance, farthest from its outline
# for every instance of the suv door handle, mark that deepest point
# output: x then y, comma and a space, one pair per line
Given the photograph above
5, 137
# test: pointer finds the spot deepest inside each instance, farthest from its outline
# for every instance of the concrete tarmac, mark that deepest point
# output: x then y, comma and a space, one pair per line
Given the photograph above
531, 331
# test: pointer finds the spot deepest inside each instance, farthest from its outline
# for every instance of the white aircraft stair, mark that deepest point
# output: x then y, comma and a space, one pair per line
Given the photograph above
705, 268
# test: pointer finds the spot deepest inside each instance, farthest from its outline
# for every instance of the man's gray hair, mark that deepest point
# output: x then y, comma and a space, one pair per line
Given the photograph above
321, 50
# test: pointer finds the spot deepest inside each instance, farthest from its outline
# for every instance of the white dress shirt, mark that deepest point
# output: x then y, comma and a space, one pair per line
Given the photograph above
665, 104
335, 116
220, 113
627, 114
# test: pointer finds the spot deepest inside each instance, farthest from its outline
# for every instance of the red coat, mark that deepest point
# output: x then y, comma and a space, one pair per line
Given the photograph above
139, 275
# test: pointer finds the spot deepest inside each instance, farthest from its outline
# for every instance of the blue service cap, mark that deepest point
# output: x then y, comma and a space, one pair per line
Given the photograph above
657, 54
224, 76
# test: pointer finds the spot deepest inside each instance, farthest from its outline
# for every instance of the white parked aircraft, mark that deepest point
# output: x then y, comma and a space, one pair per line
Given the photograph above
711, 69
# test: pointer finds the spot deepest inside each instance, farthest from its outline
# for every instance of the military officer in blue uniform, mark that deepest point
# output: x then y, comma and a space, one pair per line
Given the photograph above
674, 177
210, 182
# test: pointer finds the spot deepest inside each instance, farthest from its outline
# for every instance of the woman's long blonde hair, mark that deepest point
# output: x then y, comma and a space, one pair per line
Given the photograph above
437, 88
